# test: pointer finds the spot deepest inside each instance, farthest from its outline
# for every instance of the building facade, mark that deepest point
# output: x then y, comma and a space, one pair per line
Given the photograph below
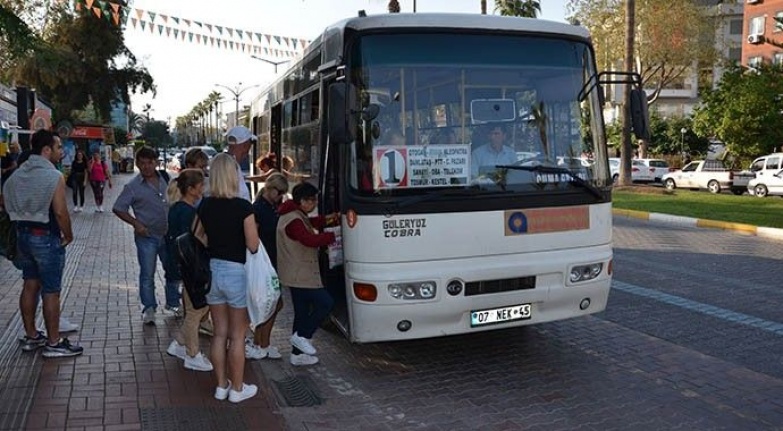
763, 33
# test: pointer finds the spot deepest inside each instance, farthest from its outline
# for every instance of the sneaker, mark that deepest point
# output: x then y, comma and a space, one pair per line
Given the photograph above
222, 393
206, 329
100, 208
302, 344
177, 350
67, 326
148, 316
62, 349
252, 351
198, 363
176, 311
77, 209
303, 359
30, 344
271, 352
248, 391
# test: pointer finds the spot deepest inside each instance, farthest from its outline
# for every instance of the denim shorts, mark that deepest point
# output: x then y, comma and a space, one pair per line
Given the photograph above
41, 257
229, 285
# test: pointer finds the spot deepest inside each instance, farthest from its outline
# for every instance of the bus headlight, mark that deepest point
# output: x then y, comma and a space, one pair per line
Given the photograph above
413, 290
581, 273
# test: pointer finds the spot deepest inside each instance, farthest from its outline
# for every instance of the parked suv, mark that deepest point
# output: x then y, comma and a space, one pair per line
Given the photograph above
658, 168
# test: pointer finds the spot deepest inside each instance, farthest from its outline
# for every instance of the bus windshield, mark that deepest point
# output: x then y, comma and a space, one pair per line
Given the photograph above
480, 112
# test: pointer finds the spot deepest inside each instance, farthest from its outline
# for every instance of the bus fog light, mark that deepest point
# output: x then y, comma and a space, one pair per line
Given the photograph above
584, 304
404, 325
413, 290
585, 272
454, 287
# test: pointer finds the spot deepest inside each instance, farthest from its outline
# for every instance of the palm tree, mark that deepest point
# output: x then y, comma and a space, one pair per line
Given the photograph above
394, 6
523, 8
483, 7
135, 122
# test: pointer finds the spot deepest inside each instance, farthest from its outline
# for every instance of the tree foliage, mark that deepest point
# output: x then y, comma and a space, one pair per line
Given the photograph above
77, 59
670, 37
744, 111
394, 6
156, 134
521, 8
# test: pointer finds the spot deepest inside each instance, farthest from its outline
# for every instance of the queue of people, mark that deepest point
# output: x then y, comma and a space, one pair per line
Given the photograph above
209, 201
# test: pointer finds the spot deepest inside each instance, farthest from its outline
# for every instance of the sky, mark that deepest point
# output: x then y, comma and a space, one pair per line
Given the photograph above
185, 73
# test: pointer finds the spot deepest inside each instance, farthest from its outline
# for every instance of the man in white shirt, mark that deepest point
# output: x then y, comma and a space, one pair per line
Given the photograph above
494, 153
240, 139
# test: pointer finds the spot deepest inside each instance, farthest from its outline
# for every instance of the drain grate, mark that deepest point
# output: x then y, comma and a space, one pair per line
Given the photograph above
298, 391
192, 418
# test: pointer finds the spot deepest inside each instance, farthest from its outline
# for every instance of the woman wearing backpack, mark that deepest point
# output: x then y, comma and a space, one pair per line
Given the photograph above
98, 174
230, 228
187, 191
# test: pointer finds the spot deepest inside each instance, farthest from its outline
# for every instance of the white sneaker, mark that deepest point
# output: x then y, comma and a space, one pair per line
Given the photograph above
67, 326
177, 350
198, 363
248, 391
77, 209
148, 316
302, 344
303, 359
272, 352
222, 393
80, 208
252, 351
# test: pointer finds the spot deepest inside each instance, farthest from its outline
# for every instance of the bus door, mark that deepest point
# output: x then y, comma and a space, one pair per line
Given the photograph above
329, 184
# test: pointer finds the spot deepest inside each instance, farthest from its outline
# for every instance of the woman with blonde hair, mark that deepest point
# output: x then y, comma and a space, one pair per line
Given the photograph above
230, 228
265, 209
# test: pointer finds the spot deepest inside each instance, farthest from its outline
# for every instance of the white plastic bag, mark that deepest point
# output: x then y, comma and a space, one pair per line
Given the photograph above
335, 249
263, 287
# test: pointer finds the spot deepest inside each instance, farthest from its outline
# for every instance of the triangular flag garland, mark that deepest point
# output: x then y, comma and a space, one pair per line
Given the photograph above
232, 38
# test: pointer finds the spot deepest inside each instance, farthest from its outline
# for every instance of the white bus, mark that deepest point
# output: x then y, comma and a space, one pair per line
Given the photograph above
467, 156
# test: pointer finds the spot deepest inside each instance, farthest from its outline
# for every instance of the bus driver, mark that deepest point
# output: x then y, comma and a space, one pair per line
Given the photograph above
494, 153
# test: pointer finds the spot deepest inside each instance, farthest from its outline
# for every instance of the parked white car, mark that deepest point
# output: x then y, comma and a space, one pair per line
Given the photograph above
700, 174
639, 171
768, 185
657, 167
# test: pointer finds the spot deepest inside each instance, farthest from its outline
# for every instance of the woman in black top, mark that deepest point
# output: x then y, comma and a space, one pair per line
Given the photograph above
265, 209
231, 231
78, 173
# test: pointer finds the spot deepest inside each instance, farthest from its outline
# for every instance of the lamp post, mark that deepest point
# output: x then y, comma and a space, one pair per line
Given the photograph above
273, 63
237, 92
682, 141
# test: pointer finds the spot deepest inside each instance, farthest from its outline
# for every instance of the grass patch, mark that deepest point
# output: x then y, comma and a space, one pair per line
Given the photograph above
722, 207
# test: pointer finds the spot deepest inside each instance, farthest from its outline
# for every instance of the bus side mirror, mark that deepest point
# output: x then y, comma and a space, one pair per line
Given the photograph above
342, 121
640, 118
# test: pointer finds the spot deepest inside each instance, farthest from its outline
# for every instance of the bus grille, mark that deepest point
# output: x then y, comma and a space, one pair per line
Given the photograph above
496, 286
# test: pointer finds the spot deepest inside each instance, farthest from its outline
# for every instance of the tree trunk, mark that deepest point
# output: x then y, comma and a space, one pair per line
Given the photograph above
627, 150
483, 7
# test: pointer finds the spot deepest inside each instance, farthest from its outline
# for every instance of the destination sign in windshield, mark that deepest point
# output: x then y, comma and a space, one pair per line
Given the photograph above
421, 166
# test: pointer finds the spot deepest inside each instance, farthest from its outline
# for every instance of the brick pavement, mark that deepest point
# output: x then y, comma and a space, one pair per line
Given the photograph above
125, 380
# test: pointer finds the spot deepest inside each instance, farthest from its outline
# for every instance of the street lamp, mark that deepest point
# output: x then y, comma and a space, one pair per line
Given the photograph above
274, 63
682, 141
237, 92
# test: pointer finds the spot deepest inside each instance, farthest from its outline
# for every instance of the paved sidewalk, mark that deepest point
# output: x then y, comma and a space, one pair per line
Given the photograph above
125, 380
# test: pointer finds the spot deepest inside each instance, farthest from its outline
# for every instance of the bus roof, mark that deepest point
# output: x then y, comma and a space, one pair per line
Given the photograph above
460, 21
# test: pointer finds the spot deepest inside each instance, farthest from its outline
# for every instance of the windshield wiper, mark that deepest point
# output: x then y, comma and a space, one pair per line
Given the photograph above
574, 179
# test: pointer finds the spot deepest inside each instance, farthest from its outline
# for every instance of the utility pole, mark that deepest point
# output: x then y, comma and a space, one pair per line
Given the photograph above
237, 92
273, 63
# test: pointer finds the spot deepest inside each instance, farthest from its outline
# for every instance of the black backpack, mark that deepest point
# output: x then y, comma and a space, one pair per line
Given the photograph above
194, 268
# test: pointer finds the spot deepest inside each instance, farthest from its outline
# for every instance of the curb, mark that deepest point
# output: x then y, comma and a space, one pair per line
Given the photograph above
766, 232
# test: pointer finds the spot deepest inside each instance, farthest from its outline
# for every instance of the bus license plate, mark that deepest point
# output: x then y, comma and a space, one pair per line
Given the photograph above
500, 315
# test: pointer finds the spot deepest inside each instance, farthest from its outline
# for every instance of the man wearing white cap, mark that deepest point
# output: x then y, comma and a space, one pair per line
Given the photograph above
239, 141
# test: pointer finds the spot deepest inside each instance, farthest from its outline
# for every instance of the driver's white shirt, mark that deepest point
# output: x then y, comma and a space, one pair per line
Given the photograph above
487, 156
